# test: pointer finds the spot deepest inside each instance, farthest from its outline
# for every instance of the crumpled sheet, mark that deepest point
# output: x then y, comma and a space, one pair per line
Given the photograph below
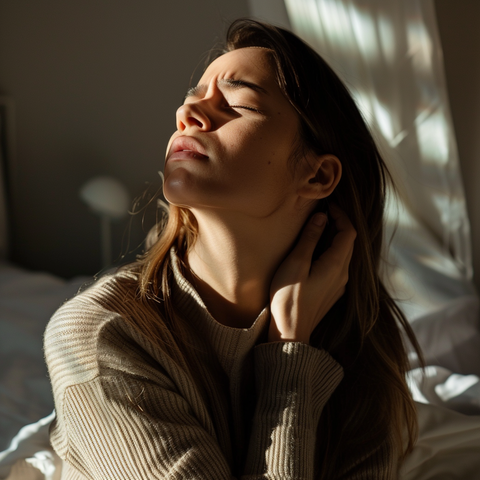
448, 447
30, 455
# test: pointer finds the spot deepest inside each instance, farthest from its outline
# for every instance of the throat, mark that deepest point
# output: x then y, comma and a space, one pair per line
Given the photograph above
234, 310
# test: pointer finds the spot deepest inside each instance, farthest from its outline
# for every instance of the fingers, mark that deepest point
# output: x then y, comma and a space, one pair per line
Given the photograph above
343, 241
302, 292
309, 238
339, 254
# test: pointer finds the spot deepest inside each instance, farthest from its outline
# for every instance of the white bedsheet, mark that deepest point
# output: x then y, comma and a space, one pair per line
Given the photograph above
30, 455
27, 301
448, 447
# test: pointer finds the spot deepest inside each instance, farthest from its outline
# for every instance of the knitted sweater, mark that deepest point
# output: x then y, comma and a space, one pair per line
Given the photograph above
126, 409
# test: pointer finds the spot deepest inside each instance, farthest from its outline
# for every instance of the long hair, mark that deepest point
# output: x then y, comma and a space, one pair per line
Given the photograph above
363, 331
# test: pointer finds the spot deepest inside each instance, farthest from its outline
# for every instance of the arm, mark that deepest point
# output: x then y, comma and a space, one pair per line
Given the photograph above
135, 422
294, 382
120, 427
112, 435
302, 292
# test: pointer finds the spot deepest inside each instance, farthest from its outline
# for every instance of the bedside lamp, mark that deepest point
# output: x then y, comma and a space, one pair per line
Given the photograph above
109, 199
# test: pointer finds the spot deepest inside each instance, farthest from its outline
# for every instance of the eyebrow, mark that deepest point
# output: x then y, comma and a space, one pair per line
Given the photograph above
229, 83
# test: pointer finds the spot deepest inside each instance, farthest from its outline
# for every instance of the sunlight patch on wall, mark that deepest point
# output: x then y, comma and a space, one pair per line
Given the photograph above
384, 119
334, 18
420, 45
365, 30
306, 16
397, 214
432, 132
364, 103
387, 38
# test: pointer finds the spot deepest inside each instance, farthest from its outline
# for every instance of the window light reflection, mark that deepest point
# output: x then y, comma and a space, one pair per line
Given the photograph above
383, 119
336, 22
365, 33
420, 45
387, 38
432, 133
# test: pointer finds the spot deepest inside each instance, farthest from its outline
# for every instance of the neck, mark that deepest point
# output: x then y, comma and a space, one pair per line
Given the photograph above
234, 260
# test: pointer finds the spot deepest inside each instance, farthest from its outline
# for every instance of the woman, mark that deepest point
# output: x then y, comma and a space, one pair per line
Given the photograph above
234, 348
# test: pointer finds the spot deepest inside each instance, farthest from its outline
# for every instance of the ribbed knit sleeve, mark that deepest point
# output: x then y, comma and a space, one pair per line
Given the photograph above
294, 381
127, 410
121, 414
130, 423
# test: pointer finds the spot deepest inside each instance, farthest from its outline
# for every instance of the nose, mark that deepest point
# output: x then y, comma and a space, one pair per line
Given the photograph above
192, 115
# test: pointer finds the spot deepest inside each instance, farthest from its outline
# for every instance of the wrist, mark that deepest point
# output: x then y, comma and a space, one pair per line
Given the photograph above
278, 337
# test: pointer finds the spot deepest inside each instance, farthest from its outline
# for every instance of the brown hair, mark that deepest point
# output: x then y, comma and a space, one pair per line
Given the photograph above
363, 331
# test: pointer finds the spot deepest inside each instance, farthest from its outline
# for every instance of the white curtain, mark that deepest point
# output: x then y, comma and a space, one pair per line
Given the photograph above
388, 53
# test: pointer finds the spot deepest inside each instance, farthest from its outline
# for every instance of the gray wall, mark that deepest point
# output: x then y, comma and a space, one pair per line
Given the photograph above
271, 11
96, 85
458, 23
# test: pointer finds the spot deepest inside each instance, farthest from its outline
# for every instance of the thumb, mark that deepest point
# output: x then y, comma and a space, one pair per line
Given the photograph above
310, 236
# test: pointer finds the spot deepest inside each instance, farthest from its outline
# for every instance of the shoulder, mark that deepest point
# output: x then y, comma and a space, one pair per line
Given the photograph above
95, 332
91, 309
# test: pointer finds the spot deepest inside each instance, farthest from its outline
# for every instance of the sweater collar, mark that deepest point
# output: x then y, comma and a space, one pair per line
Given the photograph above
191, 306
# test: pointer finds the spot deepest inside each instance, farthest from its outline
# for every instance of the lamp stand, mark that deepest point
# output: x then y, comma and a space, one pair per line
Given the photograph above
106, 241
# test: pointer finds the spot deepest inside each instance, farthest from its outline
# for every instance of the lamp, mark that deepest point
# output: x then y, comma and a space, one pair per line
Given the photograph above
109, 199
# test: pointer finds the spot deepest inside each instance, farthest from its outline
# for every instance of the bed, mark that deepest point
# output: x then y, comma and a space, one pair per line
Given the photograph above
447, 393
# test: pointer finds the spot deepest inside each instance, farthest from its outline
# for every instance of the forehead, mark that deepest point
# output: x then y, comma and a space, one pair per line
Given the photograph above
251, 63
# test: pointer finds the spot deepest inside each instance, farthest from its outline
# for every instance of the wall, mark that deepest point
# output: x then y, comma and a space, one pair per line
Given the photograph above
460, 36
96, 84
271, 11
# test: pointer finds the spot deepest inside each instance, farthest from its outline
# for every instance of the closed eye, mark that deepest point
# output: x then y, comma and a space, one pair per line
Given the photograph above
246, 108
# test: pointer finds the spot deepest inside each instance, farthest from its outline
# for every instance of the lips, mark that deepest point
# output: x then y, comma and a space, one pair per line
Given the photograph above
187, 147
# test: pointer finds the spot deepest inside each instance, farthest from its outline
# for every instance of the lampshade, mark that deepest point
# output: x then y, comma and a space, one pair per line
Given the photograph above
106, 196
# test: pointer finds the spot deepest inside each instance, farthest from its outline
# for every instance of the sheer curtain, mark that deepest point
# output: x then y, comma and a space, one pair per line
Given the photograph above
388, 53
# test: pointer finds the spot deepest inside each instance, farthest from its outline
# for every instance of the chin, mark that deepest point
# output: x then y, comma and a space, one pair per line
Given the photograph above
180, 194
182, 189
177, 188
175, 199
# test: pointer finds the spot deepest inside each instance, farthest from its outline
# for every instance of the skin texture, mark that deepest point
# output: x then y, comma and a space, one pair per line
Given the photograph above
251, 205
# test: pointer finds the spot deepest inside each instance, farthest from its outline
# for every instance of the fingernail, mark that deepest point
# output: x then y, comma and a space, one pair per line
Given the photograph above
319, 219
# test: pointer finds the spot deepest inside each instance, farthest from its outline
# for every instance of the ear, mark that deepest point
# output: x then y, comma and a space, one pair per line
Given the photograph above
321, 176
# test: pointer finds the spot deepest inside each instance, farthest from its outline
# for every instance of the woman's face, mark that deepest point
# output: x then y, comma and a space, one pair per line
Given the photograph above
235, 134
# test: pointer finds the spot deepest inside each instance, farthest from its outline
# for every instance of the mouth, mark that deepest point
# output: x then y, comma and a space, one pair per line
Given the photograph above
186, 147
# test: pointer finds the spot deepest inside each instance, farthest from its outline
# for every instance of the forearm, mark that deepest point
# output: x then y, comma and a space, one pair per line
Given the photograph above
294, 381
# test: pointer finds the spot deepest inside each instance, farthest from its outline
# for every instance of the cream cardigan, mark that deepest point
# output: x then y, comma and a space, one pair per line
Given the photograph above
126, 410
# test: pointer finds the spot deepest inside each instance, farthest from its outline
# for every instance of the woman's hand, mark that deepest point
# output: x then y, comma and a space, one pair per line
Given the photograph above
302, 292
